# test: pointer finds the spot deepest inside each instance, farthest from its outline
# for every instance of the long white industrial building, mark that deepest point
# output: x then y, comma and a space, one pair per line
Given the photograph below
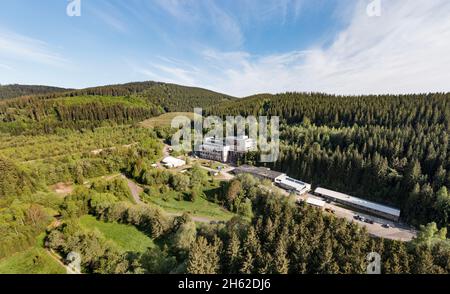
280, 179
358, 203
293, 185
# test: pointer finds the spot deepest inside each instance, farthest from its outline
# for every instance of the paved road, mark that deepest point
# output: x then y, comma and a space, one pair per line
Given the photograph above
223, 175
396, 231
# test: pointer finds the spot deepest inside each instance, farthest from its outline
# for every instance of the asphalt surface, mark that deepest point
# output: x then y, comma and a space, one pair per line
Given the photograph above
396, 231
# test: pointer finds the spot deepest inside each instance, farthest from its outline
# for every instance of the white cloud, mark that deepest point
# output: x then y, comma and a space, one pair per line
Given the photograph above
19, 47
110, 20
194, 15
4, 66
404, 50
110, 15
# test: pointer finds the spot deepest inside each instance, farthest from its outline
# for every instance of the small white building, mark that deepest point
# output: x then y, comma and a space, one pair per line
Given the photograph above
290, 184
315, 202
171, 162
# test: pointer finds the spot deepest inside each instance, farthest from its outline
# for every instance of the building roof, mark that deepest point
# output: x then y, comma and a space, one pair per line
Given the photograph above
315, 201
358, 201
259, 171
173, 160
291, 182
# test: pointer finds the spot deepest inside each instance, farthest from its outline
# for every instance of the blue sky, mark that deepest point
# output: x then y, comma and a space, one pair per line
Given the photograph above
240, 47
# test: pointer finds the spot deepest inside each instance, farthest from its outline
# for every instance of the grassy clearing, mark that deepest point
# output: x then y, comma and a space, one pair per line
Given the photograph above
31, 261
126, 237
35, 260
67, 142
200, 207
165, 120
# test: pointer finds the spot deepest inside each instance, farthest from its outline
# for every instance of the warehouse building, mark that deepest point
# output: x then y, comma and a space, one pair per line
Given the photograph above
315, 202
293, 185
258, 172
361, 204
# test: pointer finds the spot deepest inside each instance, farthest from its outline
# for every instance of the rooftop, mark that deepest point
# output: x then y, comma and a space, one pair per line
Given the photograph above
296, 184
173, 160
260, 171
315, 201
358, 201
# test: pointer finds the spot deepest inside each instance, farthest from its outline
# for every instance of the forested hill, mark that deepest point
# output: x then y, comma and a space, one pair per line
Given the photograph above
13, 91
391, 149
92, 107
324, 109
171, 97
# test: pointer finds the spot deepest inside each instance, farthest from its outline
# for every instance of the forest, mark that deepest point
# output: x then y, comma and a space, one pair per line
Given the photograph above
390, 149
13, 91
281, 238
100, 106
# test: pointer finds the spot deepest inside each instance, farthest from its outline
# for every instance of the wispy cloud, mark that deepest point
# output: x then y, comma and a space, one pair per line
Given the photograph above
110, 15
19, 47
207, 14
404, 50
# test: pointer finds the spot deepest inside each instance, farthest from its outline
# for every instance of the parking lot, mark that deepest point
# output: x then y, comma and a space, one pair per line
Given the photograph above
396, 231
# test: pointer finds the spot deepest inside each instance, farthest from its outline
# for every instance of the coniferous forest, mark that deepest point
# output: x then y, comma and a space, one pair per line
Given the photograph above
390, 149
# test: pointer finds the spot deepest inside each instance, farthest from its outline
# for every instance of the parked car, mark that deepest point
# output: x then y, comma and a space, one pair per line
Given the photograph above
369, 221
330, 210
387, 226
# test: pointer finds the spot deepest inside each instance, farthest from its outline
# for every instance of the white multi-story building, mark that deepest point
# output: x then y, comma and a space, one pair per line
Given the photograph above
241, 143
214, 149
228, 150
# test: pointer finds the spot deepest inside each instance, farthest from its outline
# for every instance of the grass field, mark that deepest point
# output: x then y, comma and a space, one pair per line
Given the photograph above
126, 237
201, 207
32, 261
35, 260
165, 120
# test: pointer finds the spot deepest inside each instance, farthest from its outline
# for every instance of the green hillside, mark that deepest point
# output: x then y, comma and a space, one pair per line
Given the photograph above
107, 105
13, 91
